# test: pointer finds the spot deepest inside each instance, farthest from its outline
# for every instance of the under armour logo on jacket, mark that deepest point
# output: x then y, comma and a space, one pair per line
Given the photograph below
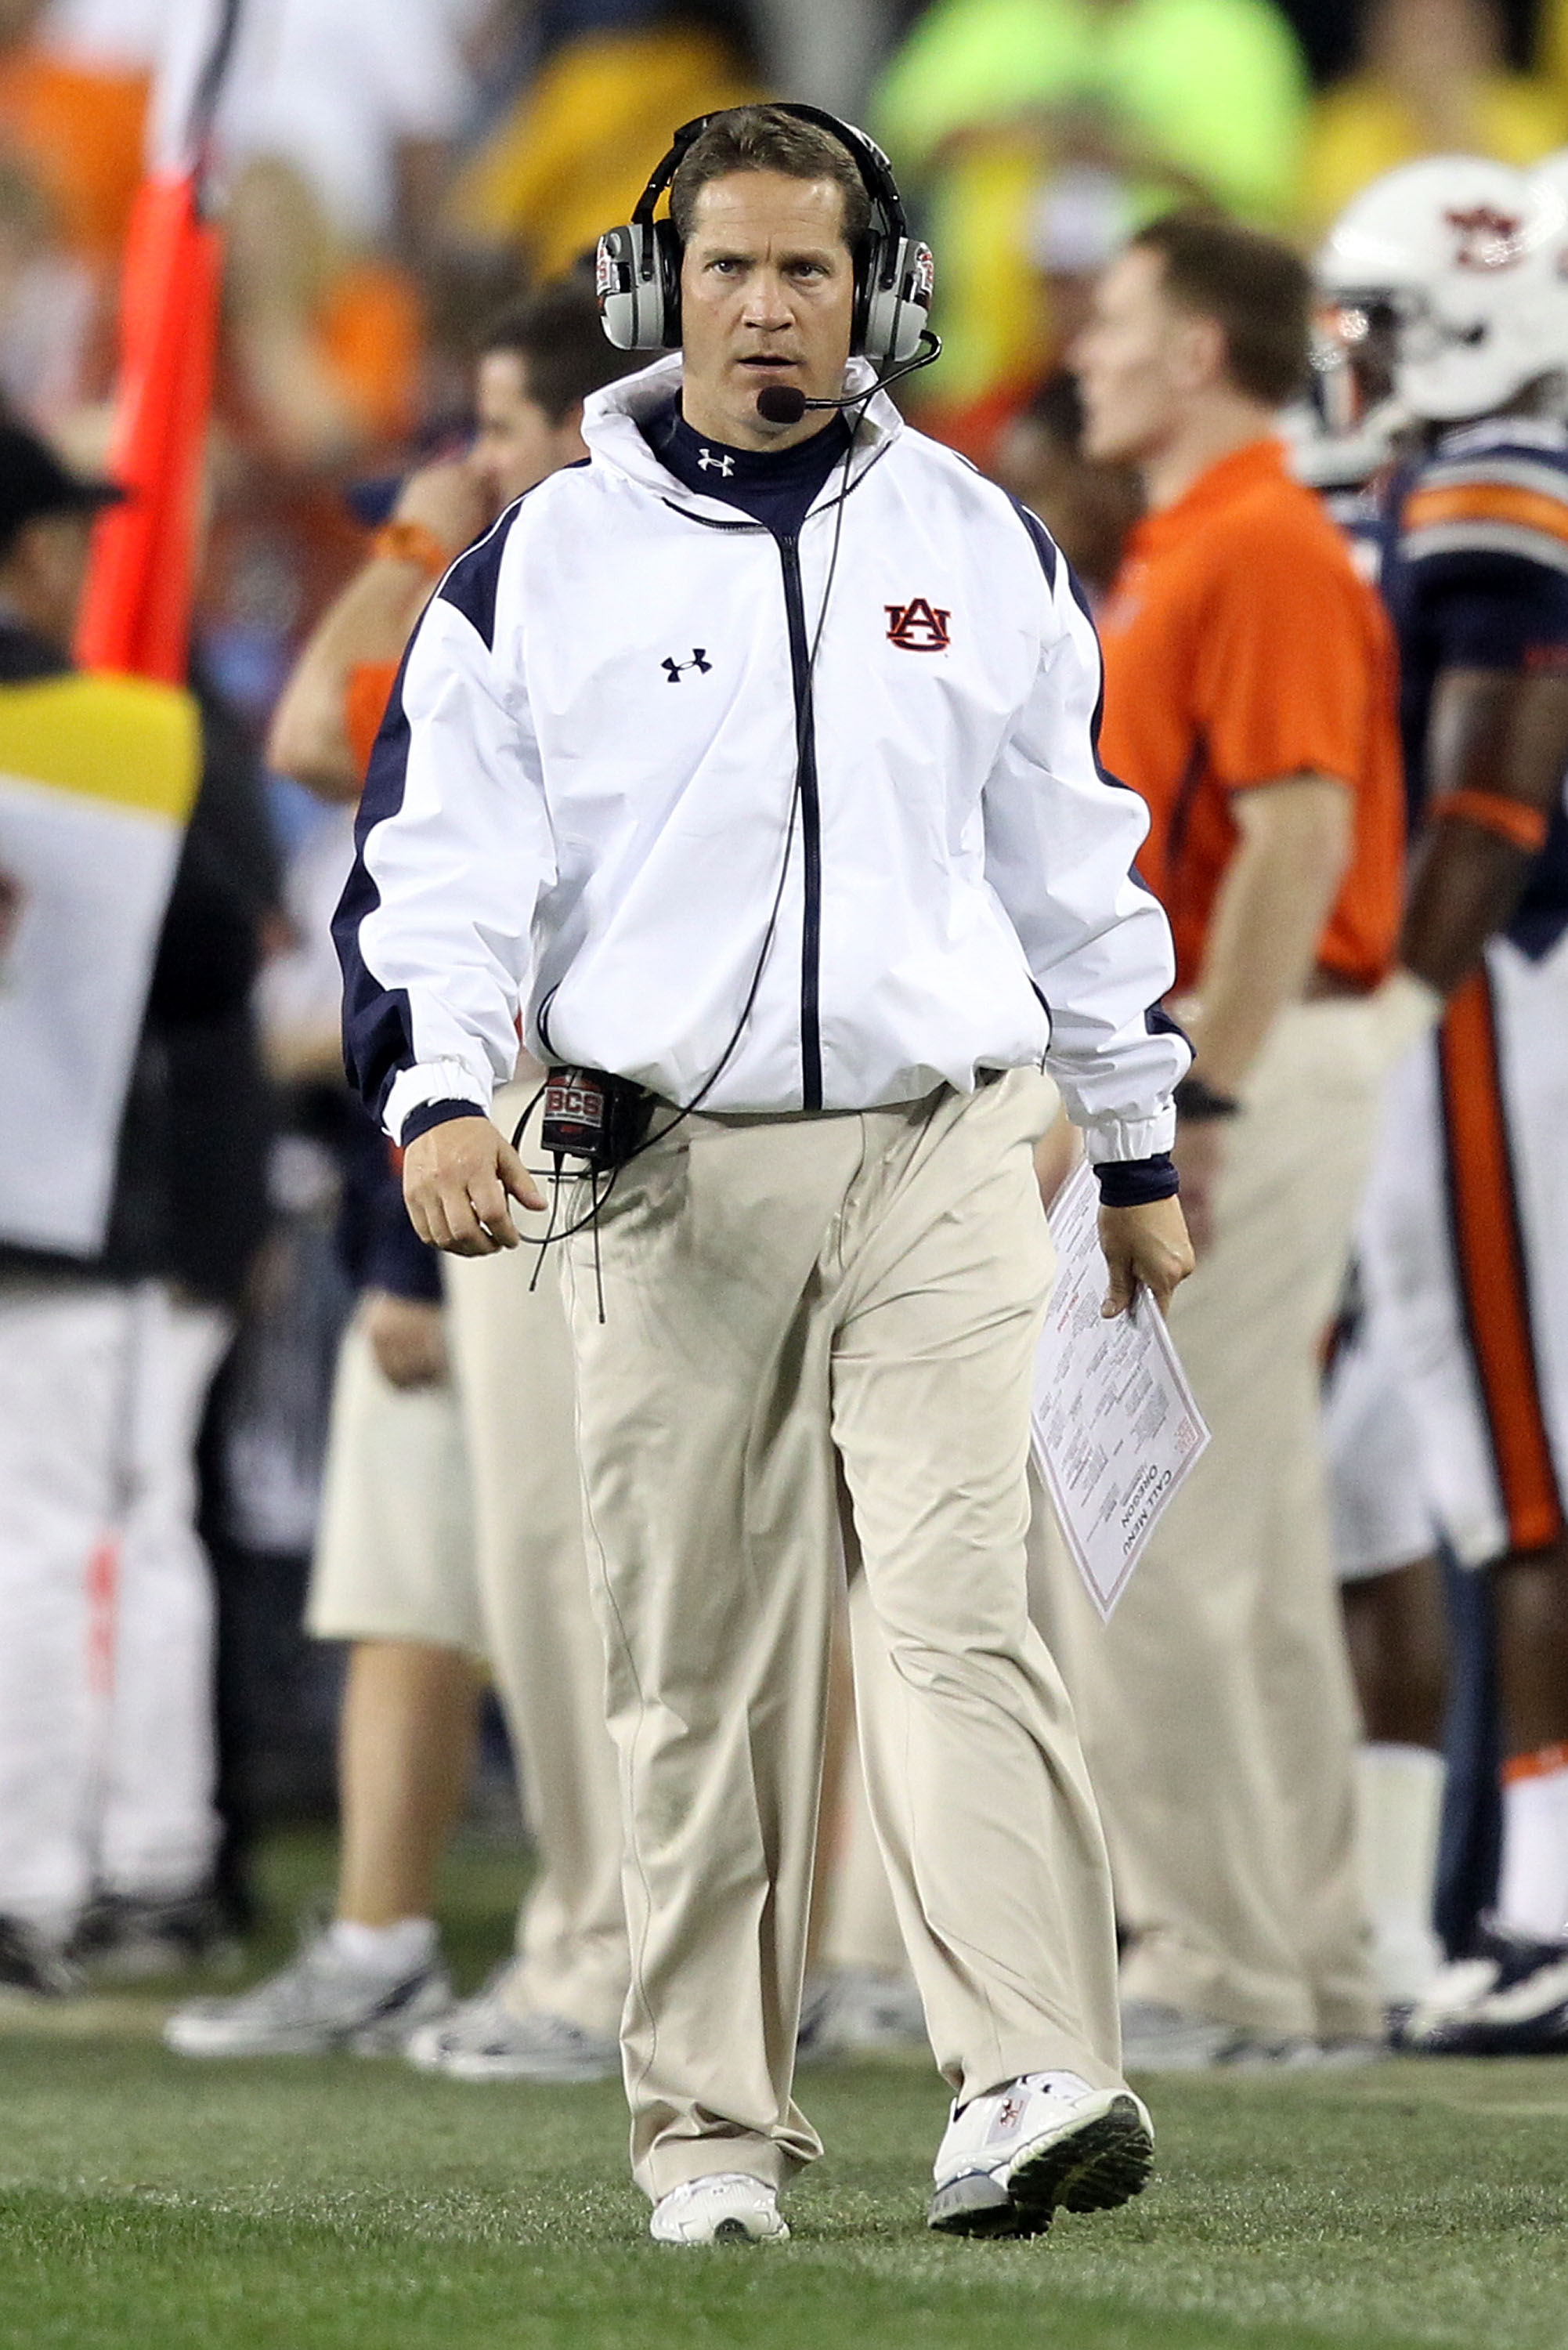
674, 670
708, 464
919, 628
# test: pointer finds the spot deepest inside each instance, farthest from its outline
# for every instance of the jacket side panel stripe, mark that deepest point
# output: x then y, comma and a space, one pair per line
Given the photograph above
377, 1021
1044, 545
810, 831
470, 583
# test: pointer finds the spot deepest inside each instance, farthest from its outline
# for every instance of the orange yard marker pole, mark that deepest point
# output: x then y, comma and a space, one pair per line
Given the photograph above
136, 615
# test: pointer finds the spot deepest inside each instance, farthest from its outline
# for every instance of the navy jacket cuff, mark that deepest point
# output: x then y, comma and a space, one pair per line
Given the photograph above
1135, 1183
436, 1113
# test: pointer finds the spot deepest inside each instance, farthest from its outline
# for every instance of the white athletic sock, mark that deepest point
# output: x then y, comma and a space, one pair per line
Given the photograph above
1532, 1896
395, 1951
1401, 1790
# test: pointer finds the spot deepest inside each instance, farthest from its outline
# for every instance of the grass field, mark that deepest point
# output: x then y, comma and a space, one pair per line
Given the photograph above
297, 2205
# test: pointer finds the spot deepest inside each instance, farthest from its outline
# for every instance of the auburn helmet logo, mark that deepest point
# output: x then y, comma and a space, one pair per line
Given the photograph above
919, 626
1486, 239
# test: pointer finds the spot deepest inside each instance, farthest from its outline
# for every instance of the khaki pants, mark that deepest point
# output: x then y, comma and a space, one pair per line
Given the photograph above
790, 1303
1216, 1708
860, 1923
512, 1358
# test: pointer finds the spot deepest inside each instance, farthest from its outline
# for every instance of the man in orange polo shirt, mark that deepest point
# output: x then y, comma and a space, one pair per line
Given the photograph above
1249, 697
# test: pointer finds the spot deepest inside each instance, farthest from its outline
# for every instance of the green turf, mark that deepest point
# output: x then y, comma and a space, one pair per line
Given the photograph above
313, 2205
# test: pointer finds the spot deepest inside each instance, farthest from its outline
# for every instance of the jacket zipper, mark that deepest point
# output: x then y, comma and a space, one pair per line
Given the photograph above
810, 829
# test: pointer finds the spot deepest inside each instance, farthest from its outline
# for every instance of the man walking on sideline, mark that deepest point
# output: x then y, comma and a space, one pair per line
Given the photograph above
755, 763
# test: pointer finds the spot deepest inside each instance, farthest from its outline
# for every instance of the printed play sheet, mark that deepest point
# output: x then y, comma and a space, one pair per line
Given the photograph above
1116, 1430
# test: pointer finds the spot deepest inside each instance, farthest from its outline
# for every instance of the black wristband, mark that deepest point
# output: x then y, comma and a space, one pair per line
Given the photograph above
428, 1114
1195, 1101
1136, 1182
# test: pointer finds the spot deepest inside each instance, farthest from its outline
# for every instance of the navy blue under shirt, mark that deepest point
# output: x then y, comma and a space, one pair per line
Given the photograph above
778, 487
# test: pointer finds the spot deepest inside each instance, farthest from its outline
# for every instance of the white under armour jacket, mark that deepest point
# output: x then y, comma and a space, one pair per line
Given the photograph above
627, 730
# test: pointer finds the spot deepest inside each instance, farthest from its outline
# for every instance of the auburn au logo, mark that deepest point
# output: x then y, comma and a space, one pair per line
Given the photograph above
1485, 238
919, 626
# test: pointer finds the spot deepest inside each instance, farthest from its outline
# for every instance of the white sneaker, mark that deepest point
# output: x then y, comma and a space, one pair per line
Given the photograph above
1010, 2160
731, 2207
319, 2002
482, 2040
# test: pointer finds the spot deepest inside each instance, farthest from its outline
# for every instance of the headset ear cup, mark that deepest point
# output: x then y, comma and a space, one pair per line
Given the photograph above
615, 286
897, 300
637, 281
668, 271
866, 278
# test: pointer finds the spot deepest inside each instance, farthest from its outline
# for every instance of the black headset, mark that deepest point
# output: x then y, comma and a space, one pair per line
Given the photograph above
639, 275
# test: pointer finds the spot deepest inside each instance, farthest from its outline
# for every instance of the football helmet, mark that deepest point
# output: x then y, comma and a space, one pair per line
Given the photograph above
1456, 259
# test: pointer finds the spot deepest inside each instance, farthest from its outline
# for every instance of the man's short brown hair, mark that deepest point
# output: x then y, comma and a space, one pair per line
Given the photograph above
766, 138
1256, 290
556, 332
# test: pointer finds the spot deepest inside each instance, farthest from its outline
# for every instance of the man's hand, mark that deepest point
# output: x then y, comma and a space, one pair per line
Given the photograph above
446, 498
1144, 1248
1200, 1152
408, 1338
456, 1180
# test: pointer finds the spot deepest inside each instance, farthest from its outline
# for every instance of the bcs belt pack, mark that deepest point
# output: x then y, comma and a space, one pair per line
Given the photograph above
595, 1118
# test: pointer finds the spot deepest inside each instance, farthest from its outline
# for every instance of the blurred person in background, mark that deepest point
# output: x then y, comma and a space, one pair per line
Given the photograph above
322, 340
1346, 438
1249, 697
1462, 1249
75, 83
1433, 80
364, 99
573, 149
393, 1512
335, 131
536, 365
419, 1583
106, 1351
1038, 132
47, 310
1087, 506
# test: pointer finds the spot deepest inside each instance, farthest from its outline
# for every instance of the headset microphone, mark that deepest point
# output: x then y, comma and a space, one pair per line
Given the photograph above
785, 403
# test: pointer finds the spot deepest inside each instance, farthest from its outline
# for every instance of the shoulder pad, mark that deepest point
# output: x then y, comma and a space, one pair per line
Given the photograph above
1498, 488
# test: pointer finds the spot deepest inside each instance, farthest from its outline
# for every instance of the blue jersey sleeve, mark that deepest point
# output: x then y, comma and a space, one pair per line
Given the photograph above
1492, 611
